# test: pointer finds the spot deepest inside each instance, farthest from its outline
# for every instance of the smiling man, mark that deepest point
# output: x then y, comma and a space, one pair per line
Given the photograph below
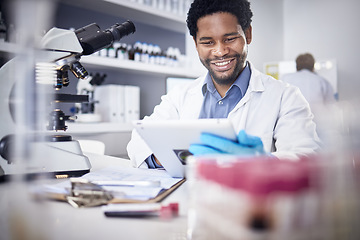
270, 116
222, 47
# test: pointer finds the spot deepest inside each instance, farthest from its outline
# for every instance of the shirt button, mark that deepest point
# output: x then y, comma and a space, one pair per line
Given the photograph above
221, 102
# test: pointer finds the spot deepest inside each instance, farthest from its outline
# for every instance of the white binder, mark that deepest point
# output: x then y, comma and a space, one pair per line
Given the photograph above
118, 103
132, 103
110, 102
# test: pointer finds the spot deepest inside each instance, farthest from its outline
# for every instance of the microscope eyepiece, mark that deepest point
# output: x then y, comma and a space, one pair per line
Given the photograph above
121, 30
92, 39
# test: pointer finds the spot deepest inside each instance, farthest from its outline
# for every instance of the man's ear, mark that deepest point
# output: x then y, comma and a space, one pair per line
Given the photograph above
248, 34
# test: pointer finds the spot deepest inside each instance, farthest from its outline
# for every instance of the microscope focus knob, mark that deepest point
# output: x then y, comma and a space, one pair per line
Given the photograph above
7, 144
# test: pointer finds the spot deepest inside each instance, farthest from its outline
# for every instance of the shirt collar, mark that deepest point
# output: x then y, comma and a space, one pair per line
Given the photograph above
241, 82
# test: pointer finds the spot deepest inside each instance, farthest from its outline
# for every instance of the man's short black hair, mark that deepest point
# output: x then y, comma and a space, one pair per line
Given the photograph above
200, 8
305, 61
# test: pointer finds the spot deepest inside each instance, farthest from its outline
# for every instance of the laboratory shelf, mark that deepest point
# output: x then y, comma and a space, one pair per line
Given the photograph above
135, 11
138, 67
124, 65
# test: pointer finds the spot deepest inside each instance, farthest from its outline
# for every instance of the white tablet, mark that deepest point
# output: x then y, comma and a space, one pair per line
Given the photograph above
170, 139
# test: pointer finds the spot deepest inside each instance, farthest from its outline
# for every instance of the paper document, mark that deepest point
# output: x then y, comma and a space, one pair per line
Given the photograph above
124, 183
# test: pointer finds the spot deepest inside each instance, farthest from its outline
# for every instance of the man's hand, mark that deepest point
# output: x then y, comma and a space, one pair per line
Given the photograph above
246, 145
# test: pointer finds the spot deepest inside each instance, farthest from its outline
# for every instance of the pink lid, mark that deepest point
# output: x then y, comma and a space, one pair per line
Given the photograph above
258, 176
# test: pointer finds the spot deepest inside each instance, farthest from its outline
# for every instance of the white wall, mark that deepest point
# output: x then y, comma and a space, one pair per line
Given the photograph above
267, 44
327, 29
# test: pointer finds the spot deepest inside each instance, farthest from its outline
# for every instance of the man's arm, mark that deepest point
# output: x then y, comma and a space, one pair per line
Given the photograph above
138, 150
295, 131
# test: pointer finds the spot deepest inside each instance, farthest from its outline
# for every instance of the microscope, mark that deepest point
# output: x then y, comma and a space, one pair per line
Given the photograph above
53, 154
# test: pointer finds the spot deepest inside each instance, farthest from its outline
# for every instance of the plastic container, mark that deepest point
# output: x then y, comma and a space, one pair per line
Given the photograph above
253, 198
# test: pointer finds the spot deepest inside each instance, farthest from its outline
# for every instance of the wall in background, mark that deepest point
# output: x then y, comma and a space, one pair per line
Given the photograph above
328, 29
267, 28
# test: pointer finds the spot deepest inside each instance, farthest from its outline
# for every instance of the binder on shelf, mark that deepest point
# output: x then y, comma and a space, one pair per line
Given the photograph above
132, 103
118, 103
110, 105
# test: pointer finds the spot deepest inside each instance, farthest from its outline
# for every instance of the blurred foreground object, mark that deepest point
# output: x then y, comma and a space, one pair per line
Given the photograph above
263, 198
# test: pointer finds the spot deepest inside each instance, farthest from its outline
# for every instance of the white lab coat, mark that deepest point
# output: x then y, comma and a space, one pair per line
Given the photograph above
316, 90
271, 109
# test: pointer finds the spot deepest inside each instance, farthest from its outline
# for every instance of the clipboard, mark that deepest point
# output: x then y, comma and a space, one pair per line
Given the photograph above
84, 192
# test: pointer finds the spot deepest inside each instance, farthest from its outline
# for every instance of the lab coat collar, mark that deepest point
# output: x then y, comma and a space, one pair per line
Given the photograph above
198, 85
256, 84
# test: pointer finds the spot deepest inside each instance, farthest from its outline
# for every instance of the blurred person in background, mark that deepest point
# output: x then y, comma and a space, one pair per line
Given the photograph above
316, 89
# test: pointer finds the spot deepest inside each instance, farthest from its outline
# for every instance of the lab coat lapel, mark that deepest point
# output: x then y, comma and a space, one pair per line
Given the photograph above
195, 98
255, 86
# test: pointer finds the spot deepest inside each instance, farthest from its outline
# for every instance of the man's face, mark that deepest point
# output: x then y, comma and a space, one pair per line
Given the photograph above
222, 46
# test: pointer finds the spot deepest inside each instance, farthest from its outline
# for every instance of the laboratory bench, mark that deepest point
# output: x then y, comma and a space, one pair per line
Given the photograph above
24, 218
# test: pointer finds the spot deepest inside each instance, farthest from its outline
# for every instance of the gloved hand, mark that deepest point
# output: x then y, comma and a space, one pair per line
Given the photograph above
246, 145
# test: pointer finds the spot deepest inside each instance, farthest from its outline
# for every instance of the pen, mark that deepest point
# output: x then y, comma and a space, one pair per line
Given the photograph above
142, 210
125, 183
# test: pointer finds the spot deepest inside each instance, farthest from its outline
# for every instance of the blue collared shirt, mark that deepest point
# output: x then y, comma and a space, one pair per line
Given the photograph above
214, 106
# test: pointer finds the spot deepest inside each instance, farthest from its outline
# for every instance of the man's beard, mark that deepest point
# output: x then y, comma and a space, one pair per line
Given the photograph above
227, 79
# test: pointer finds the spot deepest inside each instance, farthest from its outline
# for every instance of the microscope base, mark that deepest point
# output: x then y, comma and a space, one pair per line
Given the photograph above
49, 159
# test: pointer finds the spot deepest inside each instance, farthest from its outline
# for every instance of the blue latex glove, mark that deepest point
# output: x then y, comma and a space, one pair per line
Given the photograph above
246, 145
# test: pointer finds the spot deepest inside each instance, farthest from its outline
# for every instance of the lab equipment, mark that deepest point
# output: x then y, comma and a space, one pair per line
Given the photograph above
246, 145
61, 51
235, 197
